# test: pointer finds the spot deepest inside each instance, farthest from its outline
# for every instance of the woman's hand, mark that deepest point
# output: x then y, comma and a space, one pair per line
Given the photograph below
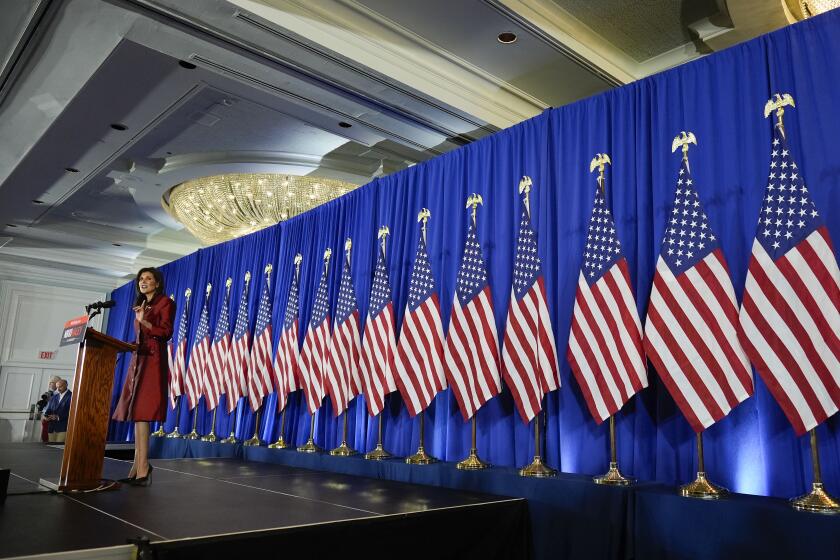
139, 312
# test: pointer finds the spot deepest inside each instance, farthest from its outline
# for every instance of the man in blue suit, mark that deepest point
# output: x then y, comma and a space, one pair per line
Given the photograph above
57, 412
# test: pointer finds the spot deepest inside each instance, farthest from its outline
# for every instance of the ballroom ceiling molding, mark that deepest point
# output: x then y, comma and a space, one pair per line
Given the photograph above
370, 39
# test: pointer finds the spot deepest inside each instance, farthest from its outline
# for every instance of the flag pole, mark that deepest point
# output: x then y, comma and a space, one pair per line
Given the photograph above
613, 476
537, 468
211, 437
701, 487
310, 446
194, 434
175, 434
473, 462
281, 443
160, 432
343, 450
379, 453
255, 439
421, 457
817, 500
232, 437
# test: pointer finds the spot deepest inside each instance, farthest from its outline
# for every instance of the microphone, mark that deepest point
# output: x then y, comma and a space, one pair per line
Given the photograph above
100, 305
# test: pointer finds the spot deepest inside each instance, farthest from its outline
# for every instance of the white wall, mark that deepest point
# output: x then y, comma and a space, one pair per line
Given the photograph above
33, 308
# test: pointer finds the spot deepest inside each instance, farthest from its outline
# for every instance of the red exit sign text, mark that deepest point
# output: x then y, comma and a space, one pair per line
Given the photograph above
46, 355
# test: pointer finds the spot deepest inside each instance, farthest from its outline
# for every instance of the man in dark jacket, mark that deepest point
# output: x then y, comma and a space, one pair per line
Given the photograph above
57, 412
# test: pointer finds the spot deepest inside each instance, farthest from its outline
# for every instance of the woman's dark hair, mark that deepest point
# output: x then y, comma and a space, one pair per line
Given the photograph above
158, 278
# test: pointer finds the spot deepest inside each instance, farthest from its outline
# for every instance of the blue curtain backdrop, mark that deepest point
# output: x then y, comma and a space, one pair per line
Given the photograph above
721, 99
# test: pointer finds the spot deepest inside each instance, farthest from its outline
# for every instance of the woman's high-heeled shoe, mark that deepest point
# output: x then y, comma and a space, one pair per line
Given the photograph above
143, 480
128, 479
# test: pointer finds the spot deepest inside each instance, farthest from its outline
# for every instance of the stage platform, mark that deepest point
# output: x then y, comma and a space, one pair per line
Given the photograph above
224, 507
573, 518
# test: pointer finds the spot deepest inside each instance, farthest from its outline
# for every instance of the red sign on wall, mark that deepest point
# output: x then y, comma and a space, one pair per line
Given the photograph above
44, 355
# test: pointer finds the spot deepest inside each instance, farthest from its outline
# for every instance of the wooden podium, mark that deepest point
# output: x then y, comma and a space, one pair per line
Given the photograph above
87, 427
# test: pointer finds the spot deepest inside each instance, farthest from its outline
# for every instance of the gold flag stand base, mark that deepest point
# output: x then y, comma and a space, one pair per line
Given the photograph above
420, 458
160, 432
537, 468
211, 437
230, 439
817, 500
279, 444
472, 462
702, 488
378, 454
174, 434
194, 434
255, 439
613, 477
343, 450
309, 447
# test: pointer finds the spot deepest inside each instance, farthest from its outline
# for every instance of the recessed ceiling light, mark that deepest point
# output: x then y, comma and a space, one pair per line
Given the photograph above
343, 124
117, 244
36, 201
187, 65
507, 37
119, 126
71, 169
11, 225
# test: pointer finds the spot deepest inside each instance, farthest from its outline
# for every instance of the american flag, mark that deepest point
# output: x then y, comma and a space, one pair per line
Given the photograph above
341, 368
472, 346
313, 356
178, 367
691, 331
420, 375
214, 370
790, 316
198, 355
286, 361
380, 340
236, 365
529, 357
605, 342
260, 369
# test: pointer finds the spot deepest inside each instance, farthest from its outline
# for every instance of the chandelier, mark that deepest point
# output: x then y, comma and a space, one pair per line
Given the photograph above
224, 207
802, 9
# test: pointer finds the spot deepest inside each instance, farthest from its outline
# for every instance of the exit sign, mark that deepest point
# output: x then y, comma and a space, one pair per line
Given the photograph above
46, 355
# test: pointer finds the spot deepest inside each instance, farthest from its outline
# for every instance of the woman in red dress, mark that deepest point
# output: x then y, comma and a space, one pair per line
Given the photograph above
143, 397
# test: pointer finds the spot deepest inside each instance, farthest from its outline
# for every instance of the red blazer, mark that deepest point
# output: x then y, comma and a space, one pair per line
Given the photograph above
143, 397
